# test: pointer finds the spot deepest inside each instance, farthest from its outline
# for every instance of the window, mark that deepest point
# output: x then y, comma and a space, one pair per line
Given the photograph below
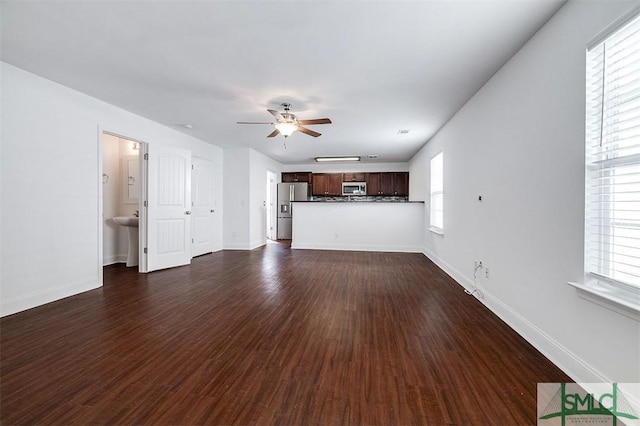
612, 210
437, 194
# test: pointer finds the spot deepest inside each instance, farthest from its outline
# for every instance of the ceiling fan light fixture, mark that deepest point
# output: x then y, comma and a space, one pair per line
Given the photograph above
336, 159
286, 129
286, 123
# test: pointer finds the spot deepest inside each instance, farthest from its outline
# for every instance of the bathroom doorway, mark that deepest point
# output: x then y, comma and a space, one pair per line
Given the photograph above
123, 180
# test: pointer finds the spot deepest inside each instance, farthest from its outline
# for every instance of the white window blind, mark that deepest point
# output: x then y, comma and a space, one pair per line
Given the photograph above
612, 214
437, 193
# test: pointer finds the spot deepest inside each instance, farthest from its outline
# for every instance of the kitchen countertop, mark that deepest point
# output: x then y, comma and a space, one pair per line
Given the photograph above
356, 201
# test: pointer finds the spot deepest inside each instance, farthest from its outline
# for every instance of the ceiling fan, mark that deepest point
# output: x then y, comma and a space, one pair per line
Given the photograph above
286, 123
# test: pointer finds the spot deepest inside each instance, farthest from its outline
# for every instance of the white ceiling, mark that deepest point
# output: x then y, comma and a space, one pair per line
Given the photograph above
373, 67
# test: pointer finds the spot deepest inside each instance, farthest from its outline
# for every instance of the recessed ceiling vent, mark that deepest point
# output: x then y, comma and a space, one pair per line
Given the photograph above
403, 131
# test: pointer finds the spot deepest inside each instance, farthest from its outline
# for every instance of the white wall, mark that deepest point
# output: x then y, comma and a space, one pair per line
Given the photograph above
236, 197
394, 227
259, 164
520, 144
245, 183
51, 184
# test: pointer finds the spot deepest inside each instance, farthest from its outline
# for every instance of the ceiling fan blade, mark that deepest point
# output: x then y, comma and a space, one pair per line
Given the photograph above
276, 132
315, 121
308, 132
276, 114
251, 122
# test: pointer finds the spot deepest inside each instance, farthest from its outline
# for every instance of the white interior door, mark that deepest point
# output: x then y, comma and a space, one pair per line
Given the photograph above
169, 207
203, 206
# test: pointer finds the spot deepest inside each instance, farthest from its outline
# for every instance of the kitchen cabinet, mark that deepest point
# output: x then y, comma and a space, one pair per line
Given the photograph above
353, 177
401, 183
326, 184
335, 184
296, 177
379, 184
389, 183
386, 183
373, 183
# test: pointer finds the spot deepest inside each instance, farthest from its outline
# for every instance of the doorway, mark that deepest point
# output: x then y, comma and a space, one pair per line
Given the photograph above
123, 182
271, 205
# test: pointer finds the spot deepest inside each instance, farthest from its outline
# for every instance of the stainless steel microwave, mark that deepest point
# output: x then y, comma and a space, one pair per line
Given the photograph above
354, 188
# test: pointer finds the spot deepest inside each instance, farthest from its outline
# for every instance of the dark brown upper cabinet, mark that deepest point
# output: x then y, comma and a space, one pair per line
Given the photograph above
388, 184
353, 177
296, 177
326, 184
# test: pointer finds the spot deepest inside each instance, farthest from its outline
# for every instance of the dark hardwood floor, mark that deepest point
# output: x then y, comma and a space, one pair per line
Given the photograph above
272, 336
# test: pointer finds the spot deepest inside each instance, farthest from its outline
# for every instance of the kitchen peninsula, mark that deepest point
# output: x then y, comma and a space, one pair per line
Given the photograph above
368, 211
396, 226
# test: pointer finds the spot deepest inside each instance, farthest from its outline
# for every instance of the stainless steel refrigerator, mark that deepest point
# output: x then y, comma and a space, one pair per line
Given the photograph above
288, 192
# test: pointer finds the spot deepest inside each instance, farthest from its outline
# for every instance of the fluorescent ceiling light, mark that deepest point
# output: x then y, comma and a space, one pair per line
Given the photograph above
329, 159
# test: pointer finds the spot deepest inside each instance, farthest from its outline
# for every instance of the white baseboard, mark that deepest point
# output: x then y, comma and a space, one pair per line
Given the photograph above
571, 364
458, 276
37, 298
116, 258
357, 247
258, 243
564, 359
242, 246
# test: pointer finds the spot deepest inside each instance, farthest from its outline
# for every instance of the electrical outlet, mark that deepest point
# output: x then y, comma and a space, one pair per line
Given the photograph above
486, 272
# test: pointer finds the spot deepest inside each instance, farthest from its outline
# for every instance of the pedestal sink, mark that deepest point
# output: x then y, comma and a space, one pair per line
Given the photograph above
131, 223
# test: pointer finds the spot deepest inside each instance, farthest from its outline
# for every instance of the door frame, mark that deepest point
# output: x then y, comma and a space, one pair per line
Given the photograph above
142, 208
142, 227
272, 208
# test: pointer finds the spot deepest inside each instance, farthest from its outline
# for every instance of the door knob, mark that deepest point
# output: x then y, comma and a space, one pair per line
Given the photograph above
212, 211
187, 212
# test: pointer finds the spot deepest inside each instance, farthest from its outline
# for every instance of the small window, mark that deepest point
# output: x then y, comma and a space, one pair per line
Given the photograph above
437, 194
612, 228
